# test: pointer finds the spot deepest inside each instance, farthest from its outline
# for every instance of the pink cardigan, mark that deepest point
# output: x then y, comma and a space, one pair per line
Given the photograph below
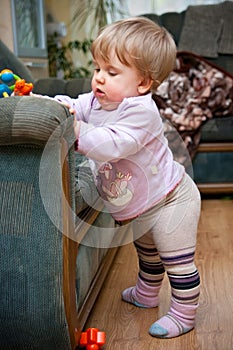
129, 155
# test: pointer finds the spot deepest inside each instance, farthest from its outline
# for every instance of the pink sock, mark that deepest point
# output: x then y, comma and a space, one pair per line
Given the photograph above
179, 320
142, 295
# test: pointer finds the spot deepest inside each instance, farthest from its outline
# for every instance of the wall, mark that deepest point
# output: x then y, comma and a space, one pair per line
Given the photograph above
60, 11
6, 33
63, 11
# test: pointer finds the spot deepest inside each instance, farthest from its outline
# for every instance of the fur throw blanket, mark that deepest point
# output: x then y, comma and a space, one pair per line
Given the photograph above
195, 92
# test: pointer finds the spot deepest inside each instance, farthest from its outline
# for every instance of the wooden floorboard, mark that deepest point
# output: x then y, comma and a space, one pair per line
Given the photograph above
126, 326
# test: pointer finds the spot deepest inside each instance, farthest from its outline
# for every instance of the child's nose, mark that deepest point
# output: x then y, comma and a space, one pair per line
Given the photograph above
100, 77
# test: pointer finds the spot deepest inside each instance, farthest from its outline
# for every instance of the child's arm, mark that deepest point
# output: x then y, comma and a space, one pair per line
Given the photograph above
117, 139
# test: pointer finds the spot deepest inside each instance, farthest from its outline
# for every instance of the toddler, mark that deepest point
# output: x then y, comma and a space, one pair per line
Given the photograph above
119, 128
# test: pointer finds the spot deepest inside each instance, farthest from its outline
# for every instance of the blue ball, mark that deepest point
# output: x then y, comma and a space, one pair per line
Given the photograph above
7, 77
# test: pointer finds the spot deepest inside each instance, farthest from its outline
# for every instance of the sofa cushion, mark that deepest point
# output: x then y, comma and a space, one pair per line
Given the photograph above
77, 86
198, 25
213, 167
173, 22
49, 86
211, 23
218, 130
154, 17
55, 86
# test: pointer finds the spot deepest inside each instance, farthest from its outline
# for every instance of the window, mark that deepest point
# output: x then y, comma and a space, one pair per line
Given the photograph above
28, 28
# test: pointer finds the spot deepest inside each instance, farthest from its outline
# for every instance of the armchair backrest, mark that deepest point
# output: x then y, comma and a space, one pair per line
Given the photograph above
36, 312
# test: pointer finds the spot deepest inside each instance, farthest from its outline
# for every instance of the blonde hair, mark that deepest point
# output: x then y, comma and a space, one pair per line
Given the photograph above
140, 42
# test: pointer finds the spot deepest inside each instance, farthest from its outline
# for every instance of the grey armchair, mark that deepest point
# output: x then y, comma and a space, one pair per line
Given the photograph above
48, 281
35, 309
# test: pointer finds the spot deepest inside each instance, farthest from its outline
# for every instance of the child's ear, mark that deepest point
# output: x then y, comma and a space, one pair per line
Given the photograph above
144, 86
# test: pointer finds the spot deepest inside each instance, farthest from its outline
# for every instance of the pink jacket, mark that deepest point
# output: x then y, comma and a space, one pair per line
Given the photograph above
129, 155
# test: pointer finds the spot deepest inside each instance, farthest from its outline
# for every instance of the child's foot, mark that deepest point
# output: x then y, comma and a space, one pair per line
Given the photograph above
179, 320
142, 295
130, 296
168, 327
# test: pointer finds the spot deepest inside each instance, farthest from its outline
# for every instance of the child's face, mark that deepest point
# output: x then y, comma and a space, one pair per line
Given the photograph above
113, 81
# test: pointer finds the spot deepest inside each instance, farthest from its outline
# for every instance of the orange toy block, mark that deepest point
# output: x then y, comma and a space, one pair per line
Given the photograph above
93, 339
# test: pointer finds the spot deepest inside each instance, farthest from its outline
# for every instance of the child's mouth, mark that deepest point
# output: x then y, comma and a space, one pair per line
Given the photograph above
99, 92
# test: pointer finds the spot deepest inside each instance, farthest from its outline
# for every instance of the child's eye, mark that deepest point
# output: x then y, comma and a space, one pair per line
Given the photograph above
113, 74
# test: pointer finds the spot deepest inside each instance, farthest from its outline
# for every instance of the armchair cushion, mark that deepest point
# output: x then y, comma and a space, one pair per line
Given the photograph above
33, 224
23, 122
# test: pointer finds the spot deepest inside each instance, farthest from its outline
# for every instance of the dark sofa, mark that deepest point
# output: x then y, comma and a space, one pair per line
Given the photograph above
194, 31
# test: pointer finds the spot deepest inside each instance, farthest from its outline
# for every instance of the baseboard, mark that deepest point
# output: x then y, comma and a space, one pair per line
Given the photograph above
215, 188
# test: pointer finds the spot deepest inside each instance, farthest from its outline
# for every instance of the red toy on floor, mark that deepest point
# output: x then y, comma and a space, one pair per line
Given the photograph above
92, 339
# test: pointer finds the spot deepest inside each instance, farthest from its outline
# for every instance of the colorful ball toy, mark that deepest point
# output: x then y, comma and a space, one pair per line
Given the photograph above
10, 82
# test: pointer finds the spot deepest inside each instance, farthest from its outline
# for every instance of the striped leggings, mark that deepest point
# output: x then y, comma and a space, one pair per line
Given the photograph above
165, 240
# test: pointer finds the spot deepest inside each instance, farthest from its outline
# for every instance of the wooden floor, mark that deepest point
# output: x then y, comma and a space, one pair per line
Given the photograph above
126, 326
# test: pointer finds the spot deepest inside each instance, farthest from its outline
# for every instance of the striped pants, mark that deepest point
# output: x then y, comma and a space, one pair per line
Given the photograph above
165, 240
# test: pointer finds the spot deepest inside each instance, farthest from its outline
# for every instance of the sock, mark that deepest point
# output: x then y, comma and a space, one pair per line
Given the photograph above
142, 295
179, 320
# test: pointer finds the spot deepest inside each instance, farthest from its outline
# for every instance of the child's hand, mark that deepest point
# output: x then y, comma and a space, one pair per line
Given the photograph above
71, 110
66, 104
40, 96
76, 128
36, 95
